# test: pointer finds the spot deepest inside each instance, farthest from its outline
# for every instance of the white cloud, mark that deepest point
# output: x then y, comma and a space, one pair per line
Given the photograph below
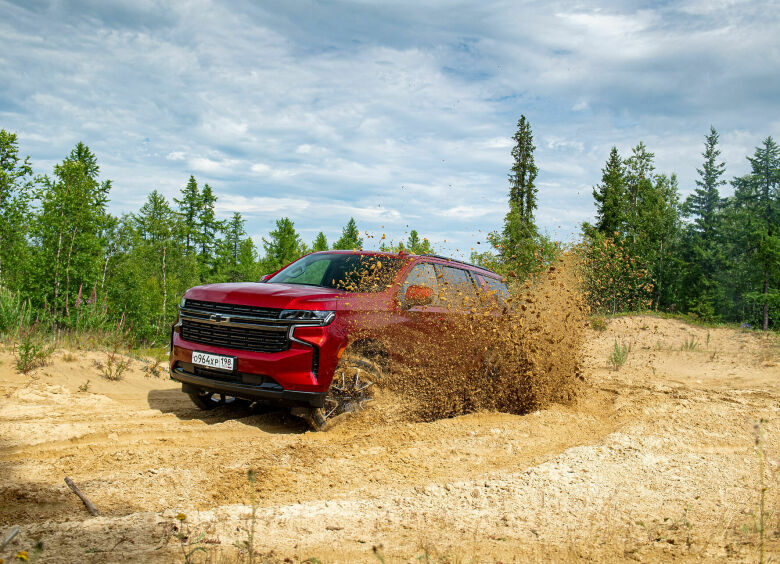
397, 114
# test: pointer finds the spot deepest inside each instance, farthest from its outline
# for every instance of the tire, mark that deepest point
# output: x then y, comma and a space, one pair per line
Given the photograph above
206, 400
352, 388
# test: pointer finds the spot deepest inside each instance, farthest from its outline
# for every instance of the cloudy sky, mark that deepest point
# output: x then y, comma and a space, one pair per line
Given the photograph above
397, 113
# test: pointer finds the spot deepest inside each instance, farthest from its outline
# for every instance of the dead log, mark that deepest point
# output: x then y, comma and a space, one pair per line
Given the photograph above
90, 506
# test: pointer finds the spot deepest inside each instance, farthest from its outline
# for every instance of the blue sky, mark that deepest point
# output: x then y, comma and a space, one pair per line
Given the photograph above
399, 114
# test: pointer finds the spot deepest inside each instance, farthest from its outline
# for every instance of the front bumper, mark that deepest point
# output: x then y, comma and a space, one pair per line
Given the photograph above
246, 387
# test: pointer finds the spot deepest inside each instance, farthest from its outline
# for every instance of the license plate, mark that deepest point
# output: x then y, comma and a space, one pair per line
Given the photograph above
214, 360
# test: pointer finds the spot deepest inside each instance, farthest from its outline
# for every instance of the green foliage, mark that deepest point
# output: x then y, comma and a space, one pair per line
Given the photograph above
418, 246
610, 196
67, 251
16, 190
189, 208
283, 246
701, 251
522, 190
320, 243
350, 237
32, 349
15, 312
619, 355
614, 280
630, 255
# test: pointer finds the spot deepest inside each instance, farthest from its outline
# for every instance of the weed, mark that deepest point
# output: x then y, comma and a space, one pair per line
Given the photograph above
708, 340
619, 355
689, 345
115, 366
598, 323
153, 368
69, 357
189, 547
377, 550
84, 387
14, 312
32, 351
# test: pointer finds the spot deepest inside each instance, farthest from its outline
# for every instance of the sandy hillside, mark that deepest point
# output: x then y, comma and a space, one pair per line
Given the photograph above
655, 461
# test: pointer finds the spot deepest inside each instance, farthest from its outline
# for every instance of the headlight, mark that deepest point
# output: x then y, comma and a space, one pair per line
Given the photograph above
324, 317
182, 302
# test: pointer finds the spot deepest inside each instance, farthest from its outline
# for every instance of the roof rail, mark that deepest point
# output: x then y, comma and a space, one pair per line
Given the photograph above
459, 261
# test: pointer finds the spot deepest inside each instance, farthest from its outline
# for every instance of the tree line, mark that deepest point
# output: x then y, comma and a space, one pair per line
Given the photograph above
64, 254
712, 257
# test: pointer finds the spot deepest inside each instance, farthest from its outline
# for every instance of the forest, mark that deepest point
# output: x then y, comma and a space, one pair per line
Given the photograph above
67, 264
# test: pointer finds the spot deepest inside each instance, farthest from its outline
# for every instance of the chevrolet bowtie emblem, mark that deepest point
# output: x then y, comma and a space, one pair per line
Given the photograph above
219, 318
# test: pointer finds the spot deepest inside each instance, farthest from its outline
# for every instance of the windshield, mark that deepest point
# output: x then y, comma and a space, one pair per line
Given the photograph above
353, 273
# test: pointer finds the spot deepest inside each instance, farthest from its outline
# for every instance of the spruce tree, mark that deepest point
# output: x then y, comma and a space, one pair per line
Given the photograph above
189, 207
350, 237
610, 196
755, 234
519, 227
701, 253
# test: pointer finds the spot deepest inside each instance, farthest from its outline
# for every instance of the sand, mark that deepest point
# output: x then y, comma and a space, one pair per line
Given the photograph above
654, 461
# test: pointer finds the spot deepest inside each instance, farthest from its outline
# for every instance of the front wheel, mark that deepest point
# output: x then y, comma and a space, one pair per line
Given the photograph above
353, 386
209, 400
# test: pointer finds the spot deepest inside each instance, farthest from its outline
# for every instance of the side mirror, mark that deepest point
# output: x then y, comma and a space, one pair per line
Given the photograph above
418, 296
265, 277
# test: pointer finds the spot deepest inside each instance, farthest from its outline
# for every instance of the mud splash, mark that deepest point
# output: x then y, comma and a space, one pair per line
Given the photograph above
516, 359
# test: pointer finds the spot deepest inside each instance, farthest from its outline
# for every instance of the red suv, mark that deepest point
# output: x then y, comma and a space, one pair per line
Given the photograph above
314, 335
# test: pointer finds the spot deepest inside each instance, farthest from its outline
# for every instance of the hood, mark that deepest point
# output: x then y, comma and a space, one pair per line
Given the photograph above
279, 296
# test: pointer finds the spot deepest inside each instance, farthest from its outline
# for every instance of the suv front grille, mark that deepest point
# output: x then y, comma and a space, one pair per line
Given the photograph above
232, 337
232, 309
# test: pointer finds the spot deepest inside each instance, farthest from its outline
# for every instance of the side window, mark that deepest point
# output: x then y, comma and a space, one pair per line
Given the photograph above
497, 290
456, 289
421, 275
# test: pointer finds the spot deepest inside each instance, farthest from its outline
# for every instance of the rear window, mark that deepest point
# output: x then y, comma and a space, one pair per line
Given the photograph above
497, 290
456, 287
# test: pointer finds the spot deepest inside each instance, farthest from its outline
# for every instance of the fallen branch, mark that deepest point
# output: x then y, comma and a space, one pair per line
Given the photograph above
9, 537
90, 506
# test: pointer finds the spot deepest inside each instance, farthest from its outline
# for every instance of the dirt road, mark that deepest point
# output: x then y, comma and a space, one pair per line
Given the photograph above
656, 460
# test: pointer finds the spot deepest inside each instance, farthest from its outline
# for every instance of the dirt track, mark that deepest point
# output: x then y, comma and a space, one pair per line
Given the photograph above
655, 461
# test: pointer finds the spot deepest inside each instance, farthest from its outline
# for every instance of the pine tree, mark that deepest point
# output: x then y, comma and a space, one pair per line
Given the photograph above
610, 196
350, 237
320, 243
189, 208
283, 245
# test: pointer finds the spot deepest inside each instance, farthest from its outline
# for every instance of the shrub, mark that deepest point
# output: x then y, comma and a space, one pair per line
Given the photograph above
619, 355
